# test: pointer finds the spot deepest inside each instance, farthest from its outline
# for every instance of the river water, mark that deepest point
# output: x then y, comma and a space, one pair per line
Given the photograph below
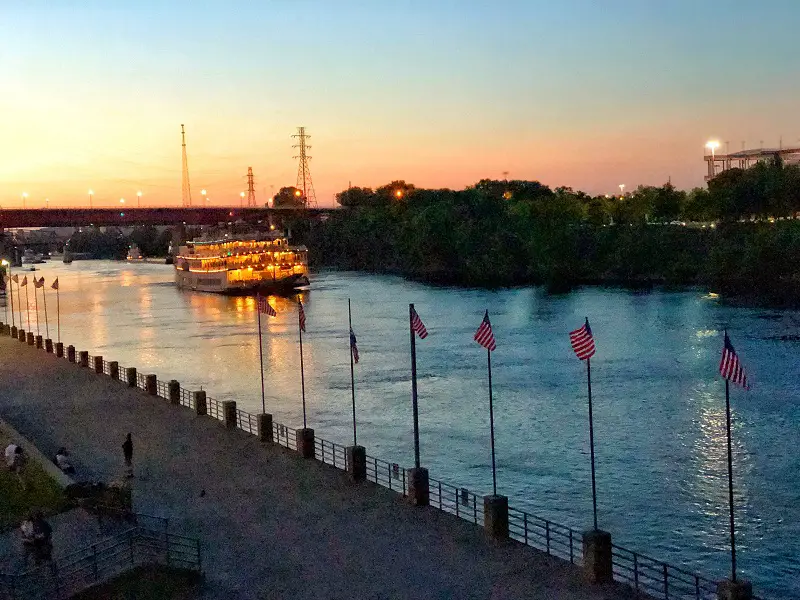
659, 405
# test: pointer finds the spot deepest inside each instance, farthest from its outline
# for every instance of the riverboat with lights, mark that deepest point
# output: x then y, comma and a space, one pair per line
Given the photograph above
241, 264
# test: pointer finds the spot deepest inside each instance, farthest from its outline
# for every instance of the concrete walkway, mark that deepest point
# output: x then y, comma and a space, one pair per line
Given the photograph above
272, 525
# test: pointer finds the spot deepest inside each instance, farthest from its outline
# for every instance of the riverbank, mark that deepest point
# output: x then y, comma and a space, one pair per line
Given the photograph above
272, 524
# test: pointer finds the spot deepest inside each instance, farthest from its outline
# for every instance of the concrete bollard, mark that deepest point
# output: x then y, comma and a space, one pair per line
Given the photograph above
151, 384
98, 364
14, 331
597, 567
71, 353
229, 413
734, 590
174, 392
21, 335
48, 346
200, 404
7, 329
305, 442
30, 338
495, 517
83, 359
39, 342
59, 350
265, 433
113, 369
356, 462
418, 486
130, 376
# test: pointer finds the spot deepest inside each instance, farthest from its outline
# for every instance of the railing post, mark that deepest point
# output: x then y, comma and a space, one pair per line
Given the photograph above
39, 342
174, 392
31, 339
200, 404
495, 516
418, 486
48, 346
71, 353
98, 365
356, 459
229, 413
130, 376
735, 590
666, 581
636, 571
597, 566
304, 440
571, 550
83, 359
113, 370
547, 535
525, 526
265, 434
60, 349
151, 384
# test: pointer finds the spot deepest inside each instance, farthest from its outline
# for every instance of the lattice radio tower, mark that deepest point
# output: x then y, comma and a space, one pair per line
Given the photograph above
251, 188
186, 189
304, 182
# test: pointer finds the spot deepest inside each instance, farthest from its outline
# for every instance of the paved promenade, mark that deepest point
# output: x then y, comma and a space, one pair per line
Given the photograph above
272, 524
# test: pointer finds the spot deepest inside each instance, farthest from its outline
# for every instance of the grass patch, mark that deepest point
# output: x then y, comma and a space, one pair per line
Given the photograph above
35, 491
154, 582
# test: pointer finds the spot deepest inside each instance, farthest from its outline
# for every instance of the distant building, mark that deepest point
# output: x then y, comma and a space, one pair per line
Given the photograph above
747, 158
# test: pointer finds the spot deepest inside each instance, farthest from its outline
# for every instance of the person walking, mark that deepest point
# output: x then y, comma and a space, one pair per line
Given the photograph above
127, 449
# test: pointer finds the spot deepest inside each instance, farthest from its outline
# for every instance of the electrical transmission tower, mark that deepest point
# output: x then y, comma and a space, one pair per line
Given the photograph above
251, 188
186, 189
304, 182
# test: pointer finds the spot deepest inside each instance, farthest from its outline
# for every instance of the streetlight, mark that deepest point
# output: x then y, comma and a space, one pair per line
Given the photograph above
622, 189
122, 200
47, 202
241, 202
138, 199
713, 145
91, 193
24, 198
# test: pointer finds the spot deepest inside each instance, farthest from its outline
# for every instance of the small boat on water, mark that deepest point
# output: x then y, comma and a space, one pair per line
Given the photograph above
242, 264
29, 257
134, 254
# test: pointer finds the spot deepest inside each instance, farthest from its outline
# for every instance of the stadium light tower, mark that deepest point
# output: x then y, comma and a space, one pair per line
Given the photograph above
713, 145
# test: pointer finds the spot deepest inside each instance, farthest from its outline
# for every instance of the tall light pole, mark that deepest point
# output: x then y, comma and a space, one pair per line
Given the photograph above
203, 194
241, 201
622, 189
91, 193
122, 201
24, 198
713, 145
138, 199
47, 202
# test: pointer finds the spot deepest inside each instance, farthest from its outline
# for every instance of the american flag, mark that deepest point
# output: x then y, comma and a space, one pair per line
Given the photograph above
301, 317
729, 366
582, 341
353, 346
417, 325
264, 307
484, 335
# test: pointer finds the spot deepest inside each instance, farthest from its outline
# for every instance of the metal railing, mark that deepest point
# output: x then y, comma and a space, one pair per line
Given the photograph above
386, 474
162, 389
330, 453
214, 409
456, 501
102, 561
187, 398
246, 422
141, 380
547, 536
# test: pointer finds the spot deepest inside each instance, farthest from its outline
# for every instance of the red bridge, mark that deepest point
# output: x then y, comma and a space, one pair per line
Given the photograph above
127, 217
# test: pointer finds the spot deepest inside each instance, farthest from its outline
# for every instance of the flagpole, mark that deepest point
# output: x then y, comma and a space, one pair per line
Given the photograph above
19, 301
28, 306
58, 313
36, 304
46, 326
491, 422
11, 287
730, 479
302, 374
414, 384
261, 358
591, 438
352, 372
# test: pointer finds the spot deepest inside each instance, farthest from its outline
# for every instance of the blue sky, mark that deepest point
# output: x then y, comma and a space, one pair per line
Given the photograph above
441, 93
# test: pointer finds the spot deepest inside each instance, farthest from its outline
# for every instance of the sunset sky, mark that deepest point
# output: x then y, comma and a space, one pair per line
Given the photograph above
441, 93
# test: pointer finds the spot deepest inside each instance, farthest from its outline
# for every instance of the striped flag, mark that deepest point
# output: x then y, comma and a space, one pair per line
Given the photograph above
353, 346
484, 335
729, 366
301, 317
582, 341
264, 307
417, 325
55, 284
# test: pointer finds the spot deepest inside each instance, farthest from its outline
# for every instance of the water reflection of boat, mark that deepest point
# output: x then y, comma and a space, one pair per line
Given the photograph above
242, 264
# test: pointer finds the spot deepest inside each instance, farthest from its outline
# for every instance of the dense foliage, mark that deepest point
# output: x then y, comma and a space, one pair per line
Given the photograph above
732, 237
112, 243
